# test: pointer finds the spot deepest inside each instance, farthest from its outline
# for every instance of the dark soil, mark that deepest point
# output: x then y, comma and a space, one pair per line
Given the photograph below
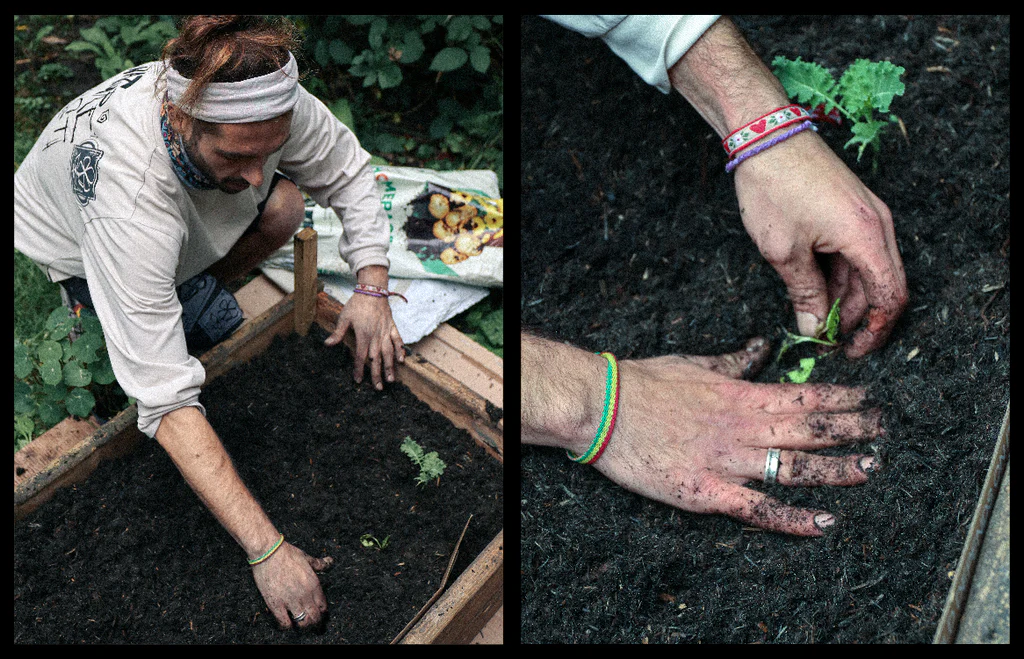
678, 273
133, 556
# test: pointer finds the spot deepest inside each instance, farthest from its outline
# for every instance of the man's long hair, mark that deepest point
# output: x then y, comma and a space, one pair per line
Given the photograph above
228, 49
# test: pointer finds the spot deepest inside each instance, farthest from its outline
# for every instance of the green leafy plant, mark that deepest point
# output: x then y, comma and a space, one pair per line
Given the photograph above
864, 88
55, 377
485, 325
397, 41
368, 540
827, 335
120, 42
427, 90
430, 465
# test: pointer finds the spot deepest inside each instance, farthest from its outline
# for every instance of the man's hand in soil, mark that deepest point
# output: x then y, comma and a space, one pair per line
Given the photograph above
290, 586
377, 337
690, 433
286, 579
798, 200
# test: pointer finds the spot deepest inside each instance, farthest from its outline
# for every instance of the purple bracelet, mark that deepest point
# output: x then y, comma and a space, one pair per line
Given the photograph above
754, 150
377, 291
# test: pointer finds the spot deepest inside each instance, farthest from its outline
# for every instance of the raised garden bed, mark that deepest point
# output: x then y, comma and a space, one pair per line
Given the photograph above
677, 273
327, 468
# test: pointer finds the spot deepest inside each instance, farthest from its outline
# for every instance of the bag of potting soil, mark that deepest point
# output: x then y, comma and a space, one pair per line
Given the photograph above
436, 290
444, 225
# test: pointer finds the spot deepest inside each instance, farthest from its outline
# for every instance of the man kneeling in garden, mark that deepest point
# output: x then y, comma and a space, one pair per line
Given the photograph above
148, 191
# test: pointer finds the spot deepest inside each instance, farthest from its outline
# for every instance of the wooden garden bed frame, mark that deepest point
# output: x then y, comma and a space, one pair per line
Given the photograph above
446, 370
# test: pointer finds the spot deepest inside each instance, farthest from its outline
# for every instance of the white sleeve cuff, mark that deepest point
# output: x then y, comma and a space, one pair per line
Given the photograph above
650, 45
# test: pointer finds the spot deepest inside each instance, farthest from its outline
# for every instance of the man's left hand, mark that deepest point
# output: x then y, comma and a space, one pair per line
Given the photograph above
377, 337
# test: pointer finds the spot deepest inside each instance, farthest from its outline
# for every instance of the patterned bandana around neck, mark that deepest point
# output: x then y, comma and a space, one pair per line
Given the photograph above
183, 167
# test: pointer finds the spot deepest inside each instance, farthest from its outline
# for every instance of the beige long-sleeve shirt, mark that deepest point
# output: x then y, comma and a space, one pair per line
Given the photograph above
96, 197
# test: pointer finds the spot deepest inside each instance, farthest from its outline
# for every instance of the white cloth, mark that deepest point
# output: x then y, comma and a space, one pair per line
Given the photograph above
256, 99
651, 45
96, 197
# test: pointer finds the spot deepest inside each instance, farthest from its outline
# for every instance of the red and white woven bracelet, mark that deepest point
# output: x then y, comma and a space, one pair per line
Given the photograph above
764, 125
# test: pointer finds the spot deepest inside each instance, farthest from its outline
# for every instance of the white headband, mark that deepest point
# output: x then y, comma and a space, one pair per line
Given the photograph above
256, 99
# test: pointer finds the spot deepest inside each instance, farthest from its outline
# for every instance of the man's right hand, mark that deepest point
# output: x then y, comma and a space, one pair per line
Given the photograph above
286, 579
289, 585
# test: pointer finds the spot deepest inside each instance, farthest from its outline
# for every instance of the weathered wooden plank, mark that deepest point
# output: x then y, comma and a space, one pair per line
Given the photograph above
463, 610
34, 457
466, 360
79, 458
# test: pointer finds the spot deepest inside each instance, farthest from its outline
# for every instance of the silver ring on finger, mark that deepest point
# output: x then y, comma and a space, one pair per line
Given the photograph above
300, 617
771, 466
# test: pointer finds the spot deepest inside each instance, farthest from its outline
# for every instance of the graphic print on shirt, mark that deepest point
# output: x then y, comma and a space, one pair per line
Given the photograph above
85, 157
85, 170
66, 123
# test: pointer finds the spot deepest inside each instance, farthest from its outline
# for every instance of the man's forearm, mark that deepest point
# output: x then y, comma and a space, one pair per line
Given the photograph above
374, 275
562, 394
725, 81
200, 457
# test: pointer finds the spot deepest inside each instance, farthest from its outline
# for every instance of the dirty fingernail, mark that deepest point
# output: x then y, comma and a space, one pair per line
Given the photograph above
868, 464
755, 344
807, 323
824, 520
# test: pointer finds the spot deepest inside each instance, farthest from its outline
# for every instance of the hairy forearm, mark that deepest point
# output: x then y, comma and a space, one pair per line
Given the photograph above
200, 457
725, 81
562, 394
374, 275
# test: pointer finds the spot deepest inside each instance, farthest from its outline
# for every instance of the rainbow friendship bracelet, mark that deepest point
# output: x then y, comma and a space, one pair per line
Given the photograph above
611, 410
257, 561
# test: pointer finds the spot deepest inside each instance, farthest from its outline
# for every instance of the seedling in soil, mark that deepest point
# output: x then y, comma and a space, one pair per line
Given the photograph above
864, 87
430, 465
368, 540
826, 335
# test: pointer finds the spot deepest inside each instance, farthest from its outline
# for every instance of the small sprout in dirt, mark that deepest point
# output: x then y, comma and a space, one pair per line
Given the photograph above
800, 375
430, 465
368, 540
826, 335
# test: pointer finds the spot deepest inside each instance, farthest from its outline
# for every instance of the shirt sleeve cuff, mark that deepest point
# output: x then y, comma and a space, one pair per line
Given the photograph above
650, 45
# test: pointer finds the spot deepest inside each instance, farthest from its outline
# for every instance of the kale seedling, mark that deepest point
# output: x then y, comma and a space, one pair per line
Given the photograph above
826, 335
430, 465
368, 540
865, 87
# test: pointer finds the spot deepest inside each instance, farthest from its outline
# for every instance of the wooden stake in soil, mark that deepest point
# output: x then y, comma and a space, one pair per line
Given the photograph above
305, 280
444, 580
